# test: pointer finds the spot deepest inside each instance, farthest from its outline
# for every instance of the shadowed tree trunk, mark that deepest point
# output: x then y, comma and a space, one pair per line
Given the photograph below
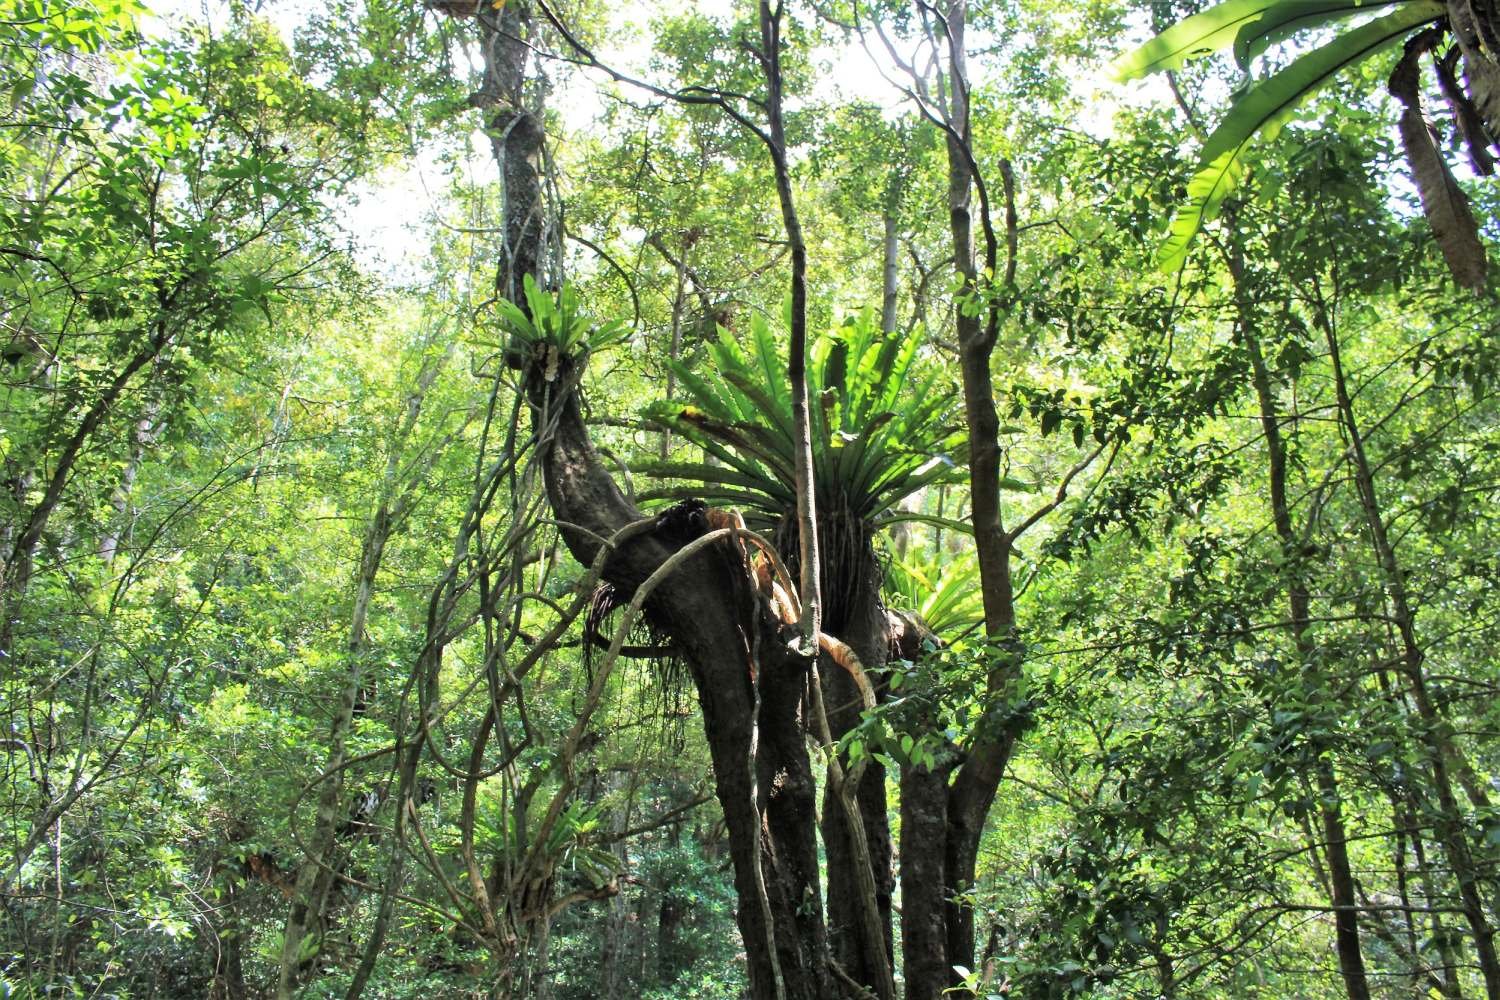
854, 613
944, 806
514, 127
761, 770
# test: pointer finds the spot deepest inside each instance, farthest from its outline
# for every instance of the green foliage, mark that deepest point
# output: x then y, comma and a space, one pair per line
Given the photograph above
1263, 108
937, 704
79, 25
881, 429
943, 592
184, 639
557, 326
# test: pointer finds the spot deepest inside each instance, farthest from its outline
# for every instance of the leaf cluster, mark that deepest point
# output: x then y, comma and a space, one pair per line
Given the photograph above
881, 429
557, 323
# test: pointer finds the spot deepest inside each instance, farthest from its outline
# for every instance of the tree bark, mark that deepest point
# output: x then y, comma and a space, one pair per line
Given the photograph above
890, 260
978, 777
863, 951
856, 616
717, 627
516, 137
1475, 27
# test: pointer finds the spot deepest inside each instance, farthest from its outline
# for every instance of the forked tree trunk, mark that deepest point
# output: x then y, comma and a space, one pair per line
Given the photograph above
762, 774
856, 828
318, 877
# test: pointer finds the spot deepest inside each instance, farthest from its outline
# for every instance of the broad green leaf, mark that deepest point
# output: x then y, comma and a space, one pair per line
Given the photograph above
1266, 107
1234, 22
1289, 18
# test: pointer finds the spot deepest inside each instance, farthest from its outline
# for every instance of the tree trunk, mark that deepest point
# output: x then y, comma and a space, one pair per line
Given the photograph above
229, 972
761, 770
890, 260
862, 950
856, 617
142, 435
320, 869
925, 882
1340, 875
15, 574
1441, 749
516, 137
978, 777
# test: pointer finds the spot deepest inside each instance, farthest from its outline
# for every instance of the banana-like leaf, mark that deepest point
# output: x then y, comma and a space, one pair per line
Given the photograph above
608, 335
558, 321
740, 460
772, 444
751, 502
707, 396
1267, 106
1289, 17
690, 419
766, 406
543, 311
1206, 33
768, 360
903, 483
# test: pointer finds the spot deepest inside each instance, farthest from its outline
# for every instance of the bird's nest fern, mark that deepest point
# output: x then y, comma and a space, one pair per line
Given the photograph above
557, 328
882, 429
